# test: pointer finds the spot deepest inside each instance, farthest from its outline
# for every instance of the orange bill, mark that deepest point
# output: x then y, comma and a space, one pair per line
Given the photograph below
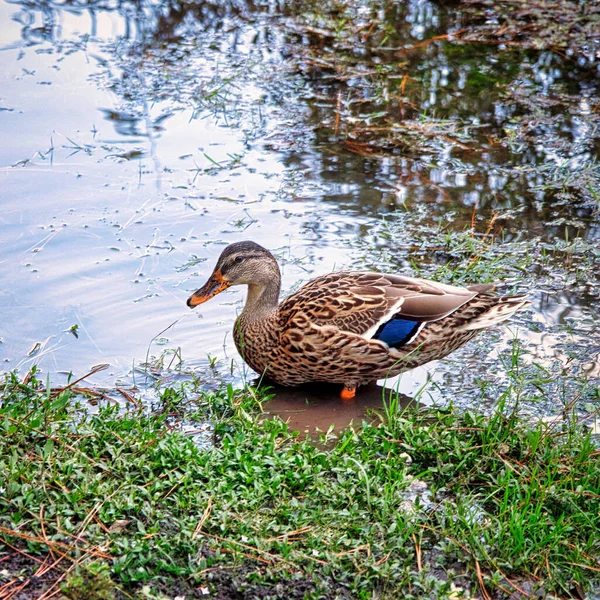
212, 287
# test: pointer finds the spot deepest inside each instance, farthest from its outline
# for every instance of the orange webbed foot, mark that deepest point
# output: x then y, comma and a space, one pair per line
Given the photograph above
348, 394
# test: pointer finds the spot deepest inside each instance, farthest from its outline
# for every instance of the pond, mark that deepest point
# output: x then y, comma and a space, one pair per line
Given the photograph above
140, 138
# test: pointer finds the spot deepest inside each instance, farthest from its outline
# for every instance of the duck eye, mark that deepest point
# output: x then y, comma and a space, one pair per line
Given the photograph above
238, 259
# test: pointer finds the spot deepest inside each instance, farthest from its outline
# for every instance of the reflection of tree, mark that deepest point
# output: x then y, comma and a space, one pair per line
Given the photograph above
31, 34
147, 22
209, 15
404, 85
398, 104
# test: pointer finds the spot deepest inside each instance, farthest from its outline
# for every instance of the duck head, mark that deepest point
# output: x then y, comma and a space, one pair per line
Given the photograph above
242, 263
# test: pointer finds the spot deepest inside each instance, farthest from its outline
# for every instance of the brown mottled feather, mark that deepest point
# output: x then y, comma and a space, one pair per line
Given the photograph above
357, 301
324, 331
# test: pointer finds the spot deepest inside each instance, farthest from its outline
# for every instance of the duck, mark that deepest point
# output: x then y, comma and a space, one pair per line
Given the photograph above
347, 327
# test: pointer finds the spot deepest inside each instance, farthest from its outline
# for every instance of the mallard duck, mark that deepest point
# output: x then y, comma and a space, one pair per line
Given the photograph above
347, 327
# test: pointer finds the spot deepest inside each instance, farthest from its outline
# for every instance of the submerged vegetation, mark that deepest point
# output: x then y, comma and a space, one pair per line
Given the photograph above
417, 503
482, 77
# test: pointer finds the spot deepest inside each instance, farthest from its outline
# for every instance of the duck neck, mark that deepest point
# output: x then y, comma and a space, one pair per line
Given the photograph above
262, 300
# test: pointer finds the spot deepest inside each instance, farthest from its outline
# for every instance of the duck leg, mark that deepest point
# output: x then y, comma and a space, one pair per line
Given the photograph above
348, 393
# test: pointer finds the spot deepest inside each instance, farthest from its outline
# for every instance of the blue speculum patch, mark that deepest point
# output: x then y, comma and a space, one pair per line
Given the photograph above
397, 332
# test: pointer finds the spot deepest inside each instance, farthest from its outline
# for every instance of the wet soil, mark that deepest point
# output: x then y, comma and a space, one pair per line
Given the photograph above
21, 582
20, 576
231, 583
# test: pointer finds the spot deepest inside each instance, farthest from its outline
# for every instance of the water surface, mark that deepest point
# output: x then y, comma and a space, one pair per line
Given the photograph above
139, 139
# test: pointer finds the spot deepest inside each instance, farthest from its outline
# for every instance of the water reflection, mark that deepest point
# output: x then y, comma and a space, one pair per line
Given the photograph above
316, 408
463, 84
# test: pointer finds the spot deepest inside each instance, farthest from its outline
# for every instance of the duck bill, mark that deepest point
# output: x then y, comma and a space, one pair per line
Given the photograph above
215, 285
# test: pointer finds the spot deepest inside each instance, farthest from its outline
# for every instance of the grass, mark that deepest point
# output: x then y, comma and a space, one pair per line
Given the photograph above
431, 503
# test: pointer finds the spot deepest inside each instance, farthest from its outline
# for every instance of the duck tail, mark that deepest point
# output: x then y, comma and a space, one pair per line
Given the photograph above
493, 313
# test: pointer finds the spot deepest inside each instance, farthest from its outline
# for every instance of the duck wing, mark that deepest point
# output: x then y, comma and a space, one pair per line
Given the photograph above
391, 308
